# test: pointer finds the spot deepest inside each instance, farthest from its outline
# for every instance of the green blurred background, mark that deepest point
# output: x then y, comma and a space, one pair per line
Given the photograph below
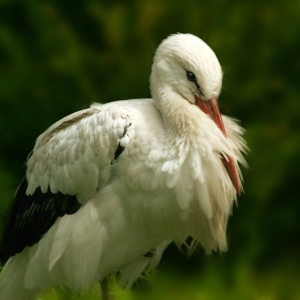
57, 57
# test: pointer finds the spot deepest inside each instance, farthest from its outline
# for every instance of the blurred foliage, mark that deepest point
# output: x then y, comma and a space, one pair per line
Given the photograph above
57, 57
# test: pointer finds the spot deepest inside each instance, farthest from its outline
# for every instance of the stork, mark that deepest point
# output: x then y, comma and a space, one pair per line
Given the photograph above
110, 187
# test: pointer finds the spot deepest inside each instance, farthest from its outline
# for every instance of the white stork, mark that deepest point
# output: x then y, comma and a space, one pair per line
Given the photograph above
108, 188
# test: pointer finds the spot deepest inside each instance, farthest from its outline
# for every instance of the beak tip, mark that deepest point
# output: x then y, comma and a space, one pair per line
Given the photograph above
232, 173
238, 190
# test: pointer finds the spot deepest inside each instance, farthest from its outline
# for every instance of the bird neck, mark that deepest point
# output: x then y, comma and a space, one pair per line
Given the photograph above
179, 116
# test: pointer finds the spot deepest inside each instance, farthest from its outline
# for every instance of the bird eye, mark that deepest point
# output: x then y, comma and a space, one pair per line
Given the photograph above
191, 76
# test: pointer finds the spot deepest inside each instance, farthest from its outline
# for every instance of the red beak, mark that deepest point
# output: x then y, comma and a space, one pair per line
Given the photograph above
211, 108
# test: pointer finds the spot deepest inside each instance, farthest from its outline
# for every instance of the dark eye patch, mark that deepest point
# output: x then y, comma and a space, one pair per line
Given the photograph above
191, 76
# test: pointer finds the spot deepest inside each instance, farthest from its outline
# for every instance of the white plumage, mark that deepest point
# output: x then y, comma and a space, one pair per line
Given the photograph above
145, 172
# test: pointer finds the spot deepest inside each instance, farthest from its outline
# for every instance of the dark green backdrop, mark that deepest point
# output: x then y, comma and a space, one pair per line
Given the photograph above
57, 57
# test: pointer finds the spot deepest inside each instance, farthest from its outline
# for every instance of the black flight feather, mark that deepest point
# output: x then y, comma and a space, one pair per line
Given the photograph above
31, 217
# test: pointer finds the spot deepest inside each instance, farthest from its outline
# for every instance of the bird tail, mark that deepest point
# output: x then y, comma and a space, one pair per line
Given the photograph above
12, 285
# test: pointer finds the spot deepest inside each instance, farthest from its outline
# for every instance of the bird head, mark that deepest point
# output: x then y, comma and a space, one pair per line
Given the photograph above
187, 66
186, 71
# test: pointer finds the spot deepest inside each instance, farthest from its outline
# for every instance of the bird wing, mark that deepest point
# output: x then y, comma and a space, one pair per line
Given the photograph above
69, 162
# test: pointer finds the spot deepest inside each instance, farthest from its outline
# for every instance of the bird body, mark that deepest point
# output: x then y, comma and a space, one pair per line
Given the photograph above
110, 187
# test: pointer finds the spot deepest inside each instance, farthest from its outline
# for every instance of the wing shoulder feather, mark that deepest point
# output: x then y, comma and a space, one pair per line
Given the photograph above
73, 156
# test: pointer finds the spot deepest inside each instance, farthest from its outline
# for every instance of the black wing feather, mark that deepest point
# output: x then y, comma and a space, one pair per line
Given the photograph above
31, 217
119, 151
